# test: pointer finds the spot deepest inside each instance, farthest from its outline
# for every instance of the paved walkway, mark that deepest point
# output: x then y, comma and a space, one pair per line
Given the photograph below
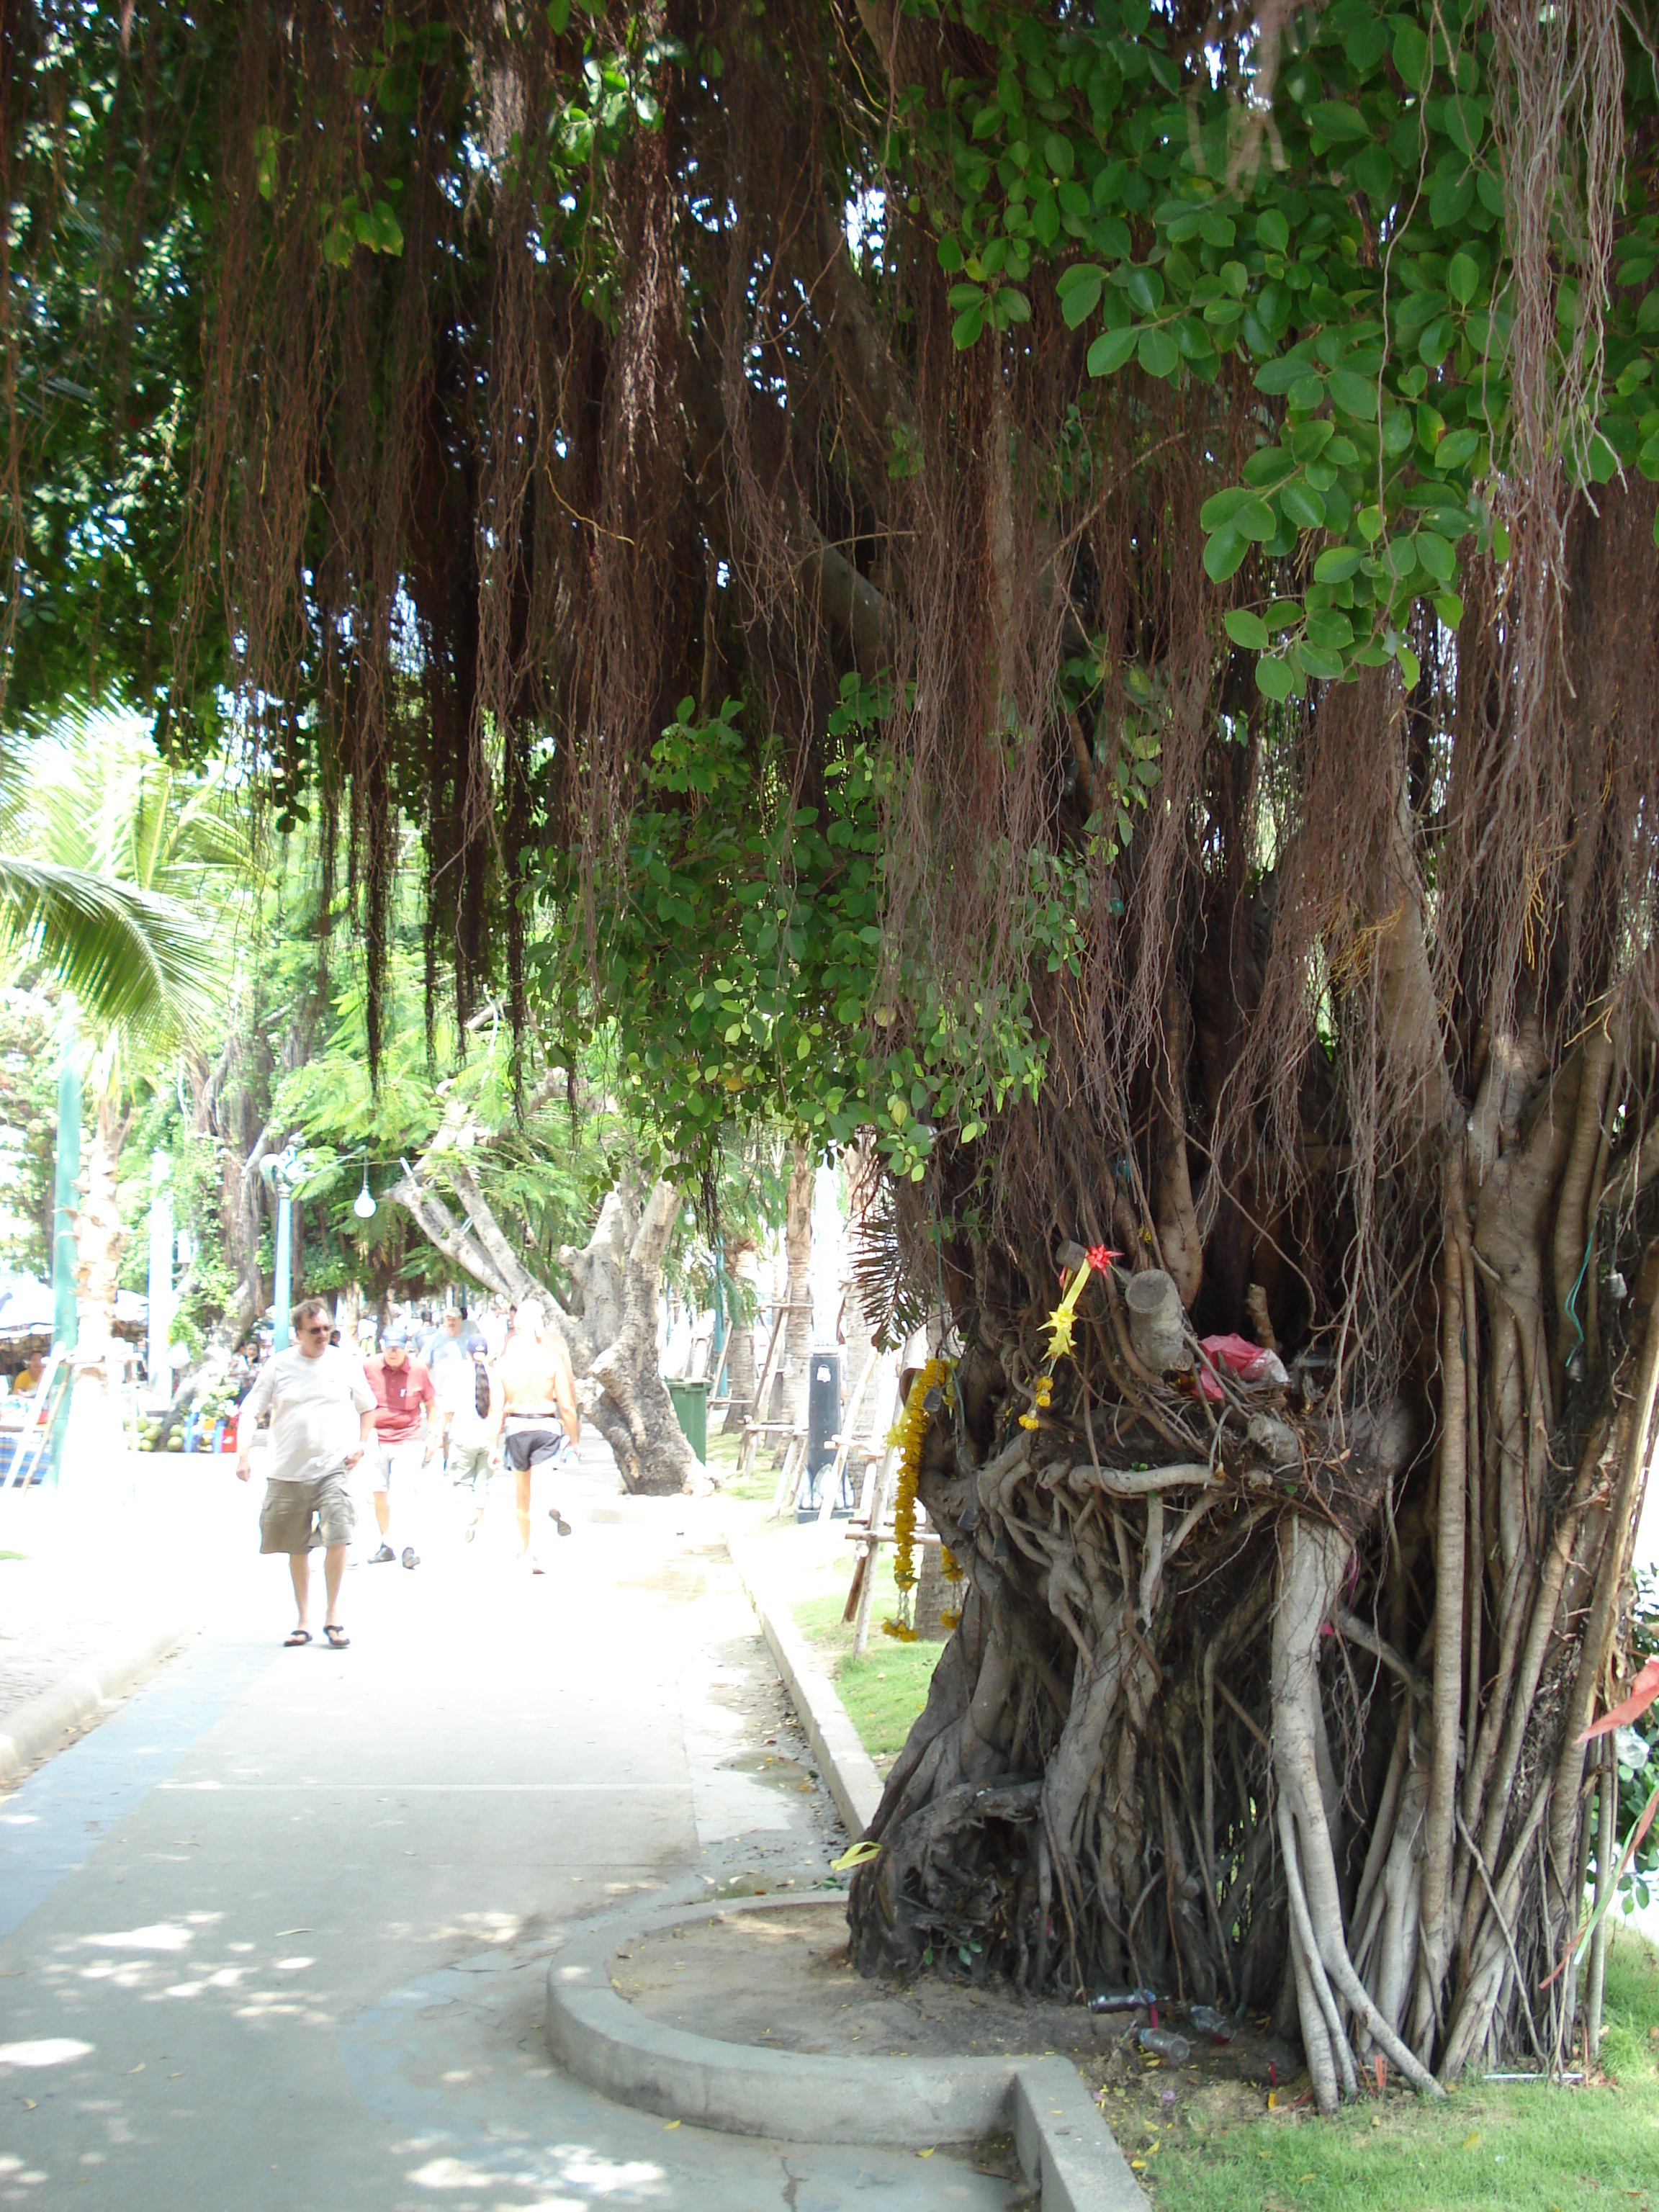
277, 1933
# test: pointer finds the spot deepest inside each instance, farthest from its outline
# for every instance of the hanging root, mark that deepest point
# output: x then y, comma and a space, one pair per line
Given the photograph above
1312, 1562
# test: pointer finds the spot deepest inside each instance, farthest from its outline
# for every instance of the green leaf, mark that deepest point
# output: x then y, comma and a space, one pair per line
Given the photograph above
1353, 395
1462, 277
1336, 564
1274, 679
1411, 52
962, 296
1449, 608
1267, 466
1320, 660
1255, 519
132, 957
967, 327
1078, 300
1057, 153
1275, 377
1371, 523
1456, 448
1110, 350
1013, 305
1302, 505
1436, 556
1451, 198
1273, 232
1246, 629
1221, 507
1146, 290
1309, 440
1411, 669
1158, 353
1223, 554
1339, 120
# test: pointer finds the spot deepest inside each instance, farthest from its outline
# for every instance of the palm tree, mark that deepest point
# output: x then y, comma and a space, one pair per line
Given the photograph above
121, 876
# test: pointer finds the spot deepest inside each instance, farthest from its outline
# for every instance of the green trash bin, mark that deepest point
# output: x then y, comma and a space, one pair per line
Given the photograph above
691, 1411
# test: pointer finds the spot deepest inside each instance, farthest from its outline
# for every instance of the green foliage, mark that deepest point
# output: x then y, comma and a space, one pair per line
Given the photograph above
1345, 248
109, 252
119, 874
748, 973
28, 1107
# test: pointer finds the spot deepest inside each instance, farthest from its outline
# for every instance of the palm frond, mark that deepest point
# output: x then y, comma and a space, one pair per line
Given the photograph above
130, 957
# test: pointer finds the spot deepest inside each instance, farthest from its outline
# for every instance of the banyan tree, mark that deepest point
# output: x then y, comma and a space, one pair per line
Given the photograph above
1073, 587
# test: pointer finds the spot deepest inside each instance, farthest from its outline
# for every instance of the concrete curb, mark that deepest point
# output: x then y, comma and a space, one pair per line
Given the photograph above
32, 1731
843, 1759
915, 2104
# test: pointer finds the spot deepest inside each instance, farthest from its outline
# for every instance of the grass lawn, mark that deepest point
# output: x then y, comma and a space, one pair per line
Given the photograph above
1526, 2148
722, 1462
885, 1690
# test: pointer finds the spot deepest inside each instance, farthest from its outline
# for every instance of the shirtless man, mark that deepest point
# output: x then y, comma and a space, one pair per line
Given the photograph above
534, 1417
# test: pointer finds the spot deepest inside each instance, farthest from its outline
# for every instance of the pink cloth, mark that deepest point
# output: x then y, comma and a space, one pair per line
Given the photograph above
1251, 1362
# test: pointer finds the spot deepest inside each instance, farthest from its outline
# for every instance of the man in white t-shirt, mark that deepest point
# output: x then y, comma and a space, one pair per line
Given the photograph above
322, 1420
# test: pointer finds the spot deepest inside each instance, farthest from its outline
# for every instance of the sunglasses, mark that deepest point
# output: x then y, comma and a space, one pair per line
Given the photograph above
313, 1329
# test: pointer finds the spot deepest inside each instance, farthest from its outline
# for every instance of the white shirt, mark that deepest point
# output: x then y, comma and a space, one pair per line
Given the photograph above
315, 1406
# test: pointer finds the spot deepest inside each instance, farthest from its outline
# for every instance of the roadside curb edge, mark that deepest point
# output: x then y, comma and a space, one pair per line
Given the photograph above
597, 2035
843, 1759
32, 1732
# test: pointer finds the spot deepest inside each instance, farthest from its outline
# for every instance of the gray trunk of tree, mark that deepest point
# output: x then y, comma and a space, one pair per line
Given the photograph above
610, 1322
797, 1255
742, 1264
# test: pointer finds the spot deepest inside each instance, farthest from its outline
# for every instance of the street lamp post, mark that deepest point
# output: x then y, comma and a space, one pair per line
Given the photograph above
284, 1174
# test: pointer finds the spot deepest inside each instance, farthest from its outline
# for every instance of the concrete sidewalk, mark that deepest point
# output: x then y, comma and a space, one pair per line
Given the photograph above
278, 1932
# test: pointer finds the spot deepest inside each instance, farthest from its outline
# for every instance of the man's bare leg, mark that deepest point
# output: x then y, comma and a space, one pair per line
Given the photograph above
334, 1560
521, 1480
383, 1512
299, 1566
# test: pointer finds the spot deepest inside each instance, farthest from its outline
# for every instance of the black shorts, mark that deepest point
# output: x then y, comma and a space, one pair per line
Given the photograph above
534, 1448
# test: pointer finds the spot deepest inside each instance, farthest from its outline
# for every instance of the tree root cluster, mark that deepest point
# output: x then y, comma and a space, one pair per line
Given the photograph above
1256, 1705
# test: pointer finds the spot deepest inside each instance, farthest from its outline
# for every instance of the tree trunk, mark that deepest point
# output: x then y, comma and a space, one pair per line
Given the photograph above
100, 1239
1278, 1704
610, 1324
742, 1271
796, 1366
651, 1447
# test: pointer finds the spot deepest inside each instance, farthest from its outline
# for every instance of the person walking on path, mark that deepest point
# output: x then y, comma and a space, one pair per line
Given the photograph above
449, 1357
534, 1412
465, 1400
322, 1421
403, 1393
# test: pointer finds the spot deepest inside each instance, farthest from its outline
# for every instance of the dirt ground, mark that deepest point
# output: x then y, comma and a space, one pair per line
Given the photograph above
783, 1978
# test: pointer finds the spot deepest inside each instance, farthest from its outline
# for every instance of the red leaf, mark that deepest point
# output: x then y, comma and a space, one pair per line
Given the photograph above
1643, 1691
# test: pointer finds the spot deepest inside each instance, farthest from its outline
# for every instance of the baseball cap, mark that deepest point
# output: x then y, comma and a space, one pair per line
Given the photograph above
397, 1335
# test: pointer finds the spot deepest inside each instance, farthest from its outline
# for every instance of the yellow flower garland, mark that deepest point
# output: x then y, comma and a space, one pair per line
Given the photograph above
911, 1429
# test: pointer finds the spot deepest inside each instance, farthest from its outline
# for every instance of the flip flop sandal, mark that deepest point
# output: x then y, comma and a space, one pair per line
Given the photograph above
555, 1514
299, 1636
338, 1639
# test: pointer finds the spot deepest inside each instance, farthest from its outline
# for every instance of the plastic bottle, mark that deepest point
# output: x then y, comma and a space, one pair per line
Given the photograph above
1164, 2043
1214, 2026
1122, 2000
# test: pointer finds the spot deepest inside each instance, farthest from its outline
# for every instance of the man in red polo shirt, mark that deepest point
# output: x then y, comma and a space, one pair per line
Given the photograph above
403, 1395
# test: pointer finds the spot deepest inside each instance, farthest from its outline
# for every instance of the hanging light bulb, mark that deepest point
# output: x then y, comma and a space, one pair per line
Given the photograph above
363, 1205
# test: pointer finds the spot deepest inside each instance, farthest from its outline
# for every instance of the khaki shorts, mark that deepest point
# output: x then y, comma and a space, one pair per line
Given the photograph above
297, 1517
